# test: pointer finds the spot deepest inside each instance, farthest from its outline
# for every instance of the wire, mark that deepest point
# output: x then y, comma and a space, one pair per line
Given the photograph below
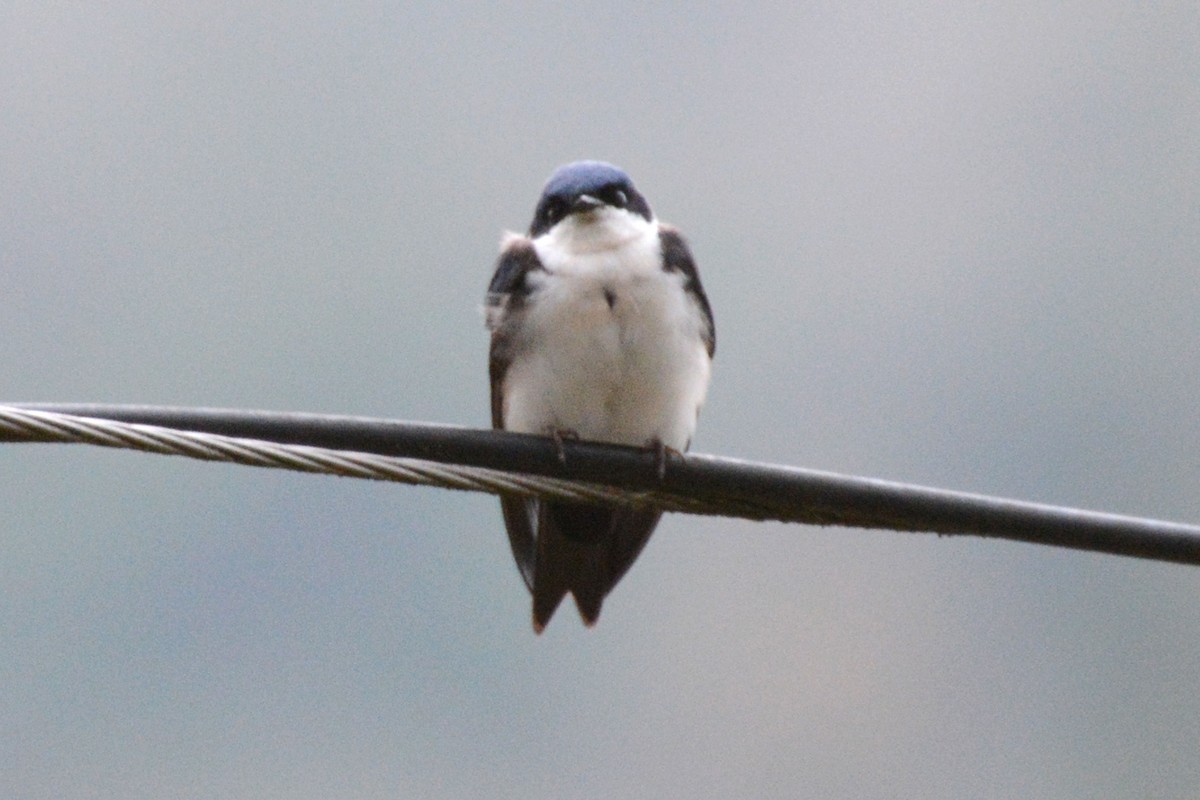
499, 462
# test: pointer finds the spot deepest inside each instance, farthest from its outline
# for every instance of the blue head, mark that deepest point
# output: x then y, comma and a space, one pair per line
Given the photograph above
584, 187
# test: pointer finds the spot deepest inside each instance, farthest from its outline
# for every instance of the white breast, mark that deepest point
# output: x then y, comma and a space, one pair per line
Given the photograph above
610, 344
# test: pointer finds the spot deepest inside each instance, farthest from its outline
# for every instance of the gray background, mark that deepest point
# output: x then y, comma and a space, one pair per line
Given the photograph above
945, 244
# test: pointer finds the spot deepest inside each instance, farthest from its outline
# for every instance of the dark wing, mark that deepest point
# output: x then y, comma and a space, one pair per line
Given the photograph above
678, 258
505, 301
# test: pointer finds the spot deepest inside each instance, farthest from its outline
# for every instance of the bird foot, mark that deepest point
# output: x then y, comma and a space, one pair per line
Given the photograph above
560, 435
661, 453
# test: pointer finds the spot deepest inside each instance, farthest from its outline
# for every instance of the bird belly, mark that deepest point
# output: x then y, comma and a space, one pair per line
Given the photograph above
613, 359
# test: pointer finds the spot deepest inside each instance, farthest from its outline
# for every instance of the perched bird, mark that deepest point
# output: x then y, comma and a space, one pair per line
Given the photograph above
600, 331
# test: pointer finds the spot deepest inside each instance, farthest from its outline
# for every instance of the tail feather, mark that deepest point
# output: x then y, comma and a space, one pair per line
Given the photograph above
583, 550
572, 550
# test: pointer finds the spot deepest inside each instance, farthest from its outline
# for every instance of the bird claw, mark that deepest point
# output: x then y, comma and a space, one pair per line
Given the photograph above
560, 435
661, 453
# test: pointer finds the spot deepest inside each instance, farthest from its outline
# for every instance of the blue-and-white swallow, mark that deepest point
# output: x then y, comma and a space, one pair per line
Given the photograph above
600, 331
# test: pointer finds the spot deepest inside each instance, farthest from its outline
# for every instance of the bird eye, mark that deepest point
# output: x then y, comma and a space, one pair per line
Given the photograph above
620, 199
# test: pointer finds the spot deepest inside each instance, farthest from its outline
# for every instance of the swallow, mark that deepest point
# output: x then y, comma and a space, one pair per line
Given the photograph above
601, 331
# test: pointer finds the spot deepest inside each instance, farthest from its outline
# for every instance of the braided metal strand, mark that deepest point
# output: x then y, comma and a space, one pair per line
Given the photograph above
44, 426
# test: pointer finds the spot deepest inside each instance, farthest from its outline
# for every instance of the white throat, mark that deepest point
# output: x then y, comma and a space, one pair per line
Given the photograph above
605, 228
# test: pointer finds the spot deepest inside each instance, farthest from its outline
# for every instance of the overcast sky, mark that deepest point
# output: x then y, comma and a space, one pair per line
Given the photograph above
944, 244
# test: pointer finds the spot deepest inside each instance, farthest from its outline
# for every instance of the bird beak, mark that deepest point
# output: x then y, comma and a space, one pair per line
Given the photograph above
585, 202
